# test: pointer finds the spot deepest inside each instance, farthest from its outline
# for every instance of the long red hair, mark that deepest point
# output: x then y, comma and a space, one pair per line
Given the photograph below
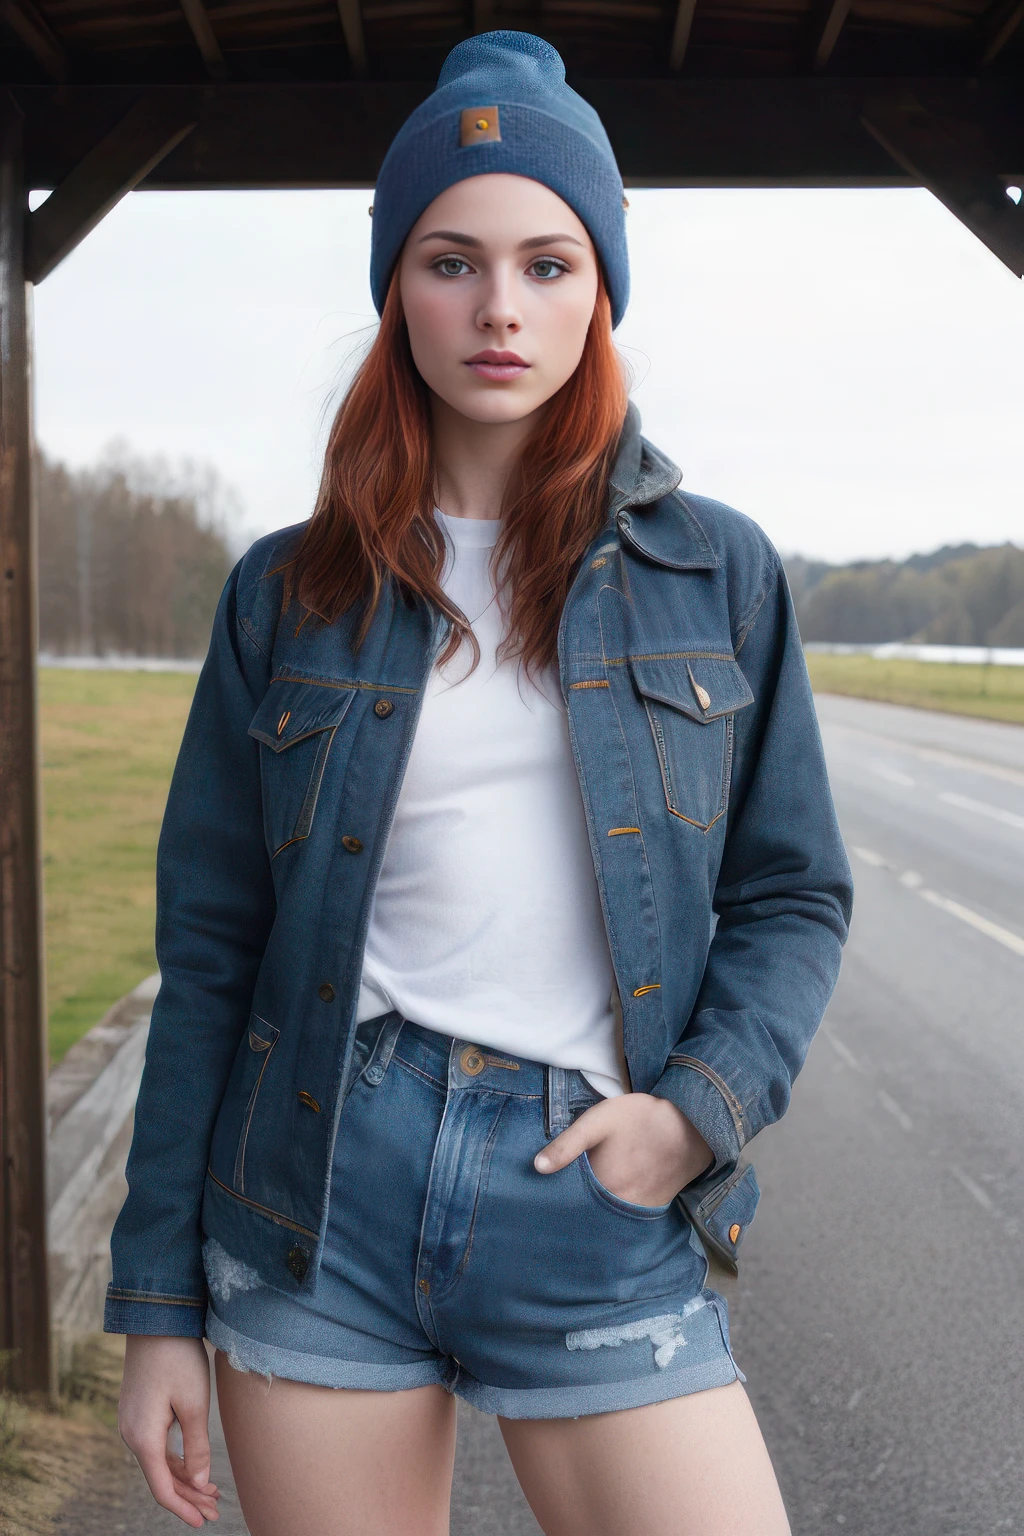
373, 519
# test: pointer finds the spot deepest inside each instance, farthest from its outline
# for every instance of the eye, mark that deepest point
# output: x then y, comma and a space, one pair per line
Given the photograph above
546, 268
451, 266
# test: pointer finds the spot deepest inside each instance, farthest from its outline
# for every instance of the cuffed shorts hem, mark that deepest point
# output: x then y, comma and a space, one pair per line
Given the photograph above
245, 1354
604, 1397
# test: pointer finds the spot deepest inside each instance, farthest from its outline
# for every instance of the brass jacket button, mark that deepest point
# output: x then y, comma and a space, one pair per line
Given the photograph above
325, 992
383, 708
297, 1261
471, 1061
351, 844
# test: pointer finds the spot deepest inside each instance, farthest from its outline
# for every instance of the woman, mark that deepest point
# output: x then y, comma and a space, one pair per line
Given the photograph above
500, 895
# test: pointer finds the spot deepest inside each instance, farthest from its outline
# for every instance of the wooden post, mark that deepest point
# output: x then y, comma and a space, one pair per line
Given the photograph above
24, 1274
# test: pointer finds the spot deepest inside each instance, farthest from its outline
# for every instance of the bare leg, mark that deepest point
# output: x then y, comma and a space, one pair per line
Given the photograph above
320, 1461
693, 1466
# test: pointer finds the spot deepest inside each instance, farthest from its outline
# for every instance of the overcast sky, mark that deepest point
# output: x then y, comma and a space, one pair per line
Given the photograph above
843, 366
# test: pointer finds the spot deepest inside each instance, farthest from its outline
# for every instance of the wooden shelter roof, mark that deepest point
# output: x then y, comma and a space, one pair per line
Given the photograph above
177, 41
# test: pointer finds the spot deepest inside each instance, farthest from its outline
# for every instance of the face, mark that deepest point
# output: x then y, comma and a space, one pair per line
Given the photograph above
498, 280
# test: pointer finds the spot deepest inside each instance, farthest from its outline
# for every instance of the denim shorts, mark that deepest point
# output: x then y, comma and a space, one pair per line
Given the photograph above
449, 1259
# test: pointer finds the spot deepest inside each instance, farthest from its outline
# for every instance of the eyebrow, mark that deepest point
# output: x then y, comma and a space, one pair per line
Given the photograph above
534, 243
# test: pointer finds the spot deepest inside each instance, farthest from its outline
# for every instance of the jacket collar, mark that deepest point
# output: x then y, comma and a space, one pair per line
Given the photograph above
641, 478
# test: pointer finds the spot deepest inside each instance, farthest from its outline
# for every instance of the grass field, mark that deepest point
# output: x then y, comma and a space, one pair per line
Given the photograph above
109, 740
993, 693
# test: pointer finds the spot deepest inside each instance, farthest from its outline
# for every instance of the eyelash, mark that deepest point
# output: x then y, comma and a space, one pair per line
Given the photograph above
560, 266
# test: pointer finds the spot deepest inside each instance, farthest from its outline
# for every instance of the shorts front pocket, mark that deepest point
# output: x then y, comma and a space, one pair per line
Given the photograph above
616, 1202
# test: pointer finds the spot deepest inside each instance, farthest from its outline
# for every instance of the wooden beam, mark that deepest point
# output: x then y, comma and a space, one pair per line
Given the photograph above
998, 25
149, 130
355, 37
206, 41
24, 1270
953, 161
683, 131
827, 21
28, 25
681, 34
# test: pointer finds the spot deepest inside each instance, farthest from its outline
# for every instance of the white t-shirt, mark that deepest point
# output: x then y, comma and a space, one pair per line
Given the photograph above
486, 921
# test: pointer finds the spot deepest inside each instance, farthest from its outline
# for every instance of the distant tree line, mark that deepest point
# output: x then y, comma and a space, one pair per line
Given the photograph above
132, 557
959, 595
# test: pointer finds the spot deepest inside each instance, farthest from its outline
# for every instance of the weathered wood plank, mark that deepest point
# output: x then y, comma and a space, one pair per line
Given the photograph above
952, 159
150, 129
24, 1270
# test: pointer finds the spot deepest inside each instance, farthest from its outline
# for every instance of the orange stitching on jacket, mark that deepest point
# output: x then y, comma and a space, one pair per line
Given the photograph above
115, 1293
320, 682
619, 831
619, 661
284, 1221
603, 683
652, 986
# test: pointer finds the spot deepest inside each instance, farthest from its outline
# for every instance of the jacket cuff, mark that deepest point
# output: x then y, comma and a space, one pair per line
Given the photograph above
153, 1312
695, 1089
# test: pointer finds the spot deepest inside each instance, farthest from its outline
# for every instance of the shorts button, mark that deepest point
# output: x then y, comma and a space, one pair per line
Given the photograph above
325, 992
297, 1261
734, 1231
351, 844
471, 1061
383, 708
424, 1286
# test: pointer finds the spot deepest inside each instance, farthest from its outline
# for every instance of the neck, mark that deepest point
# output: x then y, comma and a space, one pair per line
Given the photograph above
474, 460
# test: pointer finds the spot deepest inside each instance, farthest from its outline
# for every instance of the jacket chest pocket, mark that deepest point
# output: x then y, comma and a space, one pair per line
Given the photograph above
690, 702
295, 726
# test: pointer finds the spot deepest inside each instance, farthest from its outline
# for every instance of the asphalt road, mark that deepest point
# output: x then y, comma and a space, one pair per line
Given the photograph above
880, 1310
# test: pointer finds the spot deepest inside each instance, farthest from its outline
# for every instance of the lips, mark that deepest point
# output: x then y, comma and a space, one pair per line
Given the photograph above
500, 366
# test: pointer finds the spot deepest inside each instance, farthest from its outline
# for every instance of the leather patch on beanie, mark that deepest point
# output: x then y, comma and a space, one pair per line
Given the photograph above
479, 125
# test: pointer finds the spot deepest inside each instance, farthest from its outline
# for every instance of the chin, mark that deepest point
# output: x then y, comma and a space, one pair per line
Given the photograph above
494, 408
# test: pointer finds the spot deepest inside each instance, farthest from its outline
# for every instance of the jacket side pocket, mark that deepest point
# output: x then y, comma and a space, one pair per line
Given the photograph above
260, 1042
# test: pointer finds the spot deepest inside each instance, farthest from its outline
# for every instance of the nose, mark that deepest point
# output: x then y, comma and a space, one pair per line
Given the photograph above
499, 312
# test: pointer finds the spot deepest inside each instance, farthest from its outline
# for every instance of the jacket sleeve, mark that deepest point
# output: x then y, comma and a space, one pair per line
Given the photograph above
782, 900
215, 907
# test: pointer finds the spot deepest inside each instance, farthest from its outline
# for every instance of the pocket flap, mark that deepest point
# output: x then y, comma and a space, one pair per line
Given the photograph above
293, 710
703, 687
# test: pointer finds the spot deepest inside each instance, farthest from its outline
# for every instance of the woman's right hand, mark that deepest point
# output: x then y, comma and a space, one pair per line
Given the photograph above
167, 1379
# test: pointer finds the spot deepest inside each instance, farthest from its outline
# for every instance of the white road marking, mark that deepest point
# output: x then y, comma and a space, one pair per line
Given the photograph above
899, 1114
995, 812
1014, 941
913, 881
842, 1051
936, 755
891, 775
983, 1199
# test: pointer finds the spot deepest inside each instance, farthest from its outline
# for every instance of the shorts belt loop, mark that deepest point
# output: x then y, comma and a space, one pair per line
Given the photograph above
384, 1049
557, 1117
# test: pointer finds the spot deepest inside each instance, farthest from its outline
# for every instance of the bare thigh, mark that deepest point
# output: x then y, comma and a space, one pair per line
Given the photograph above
323, 1461
693, 1466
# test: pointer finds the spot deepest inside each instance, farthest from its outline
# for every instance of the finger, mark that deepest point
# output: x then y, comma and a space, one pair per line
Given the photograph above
152, 1458
194, 1420
585, 1132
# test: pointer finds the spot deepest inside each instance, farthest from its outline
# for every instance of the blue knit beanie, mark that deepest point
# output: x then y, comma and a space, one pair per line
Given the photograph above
502, 104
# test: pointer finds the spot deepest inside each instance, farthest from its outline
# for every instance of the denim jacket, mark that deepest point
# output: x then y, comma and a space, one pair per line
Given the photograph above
724, 884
